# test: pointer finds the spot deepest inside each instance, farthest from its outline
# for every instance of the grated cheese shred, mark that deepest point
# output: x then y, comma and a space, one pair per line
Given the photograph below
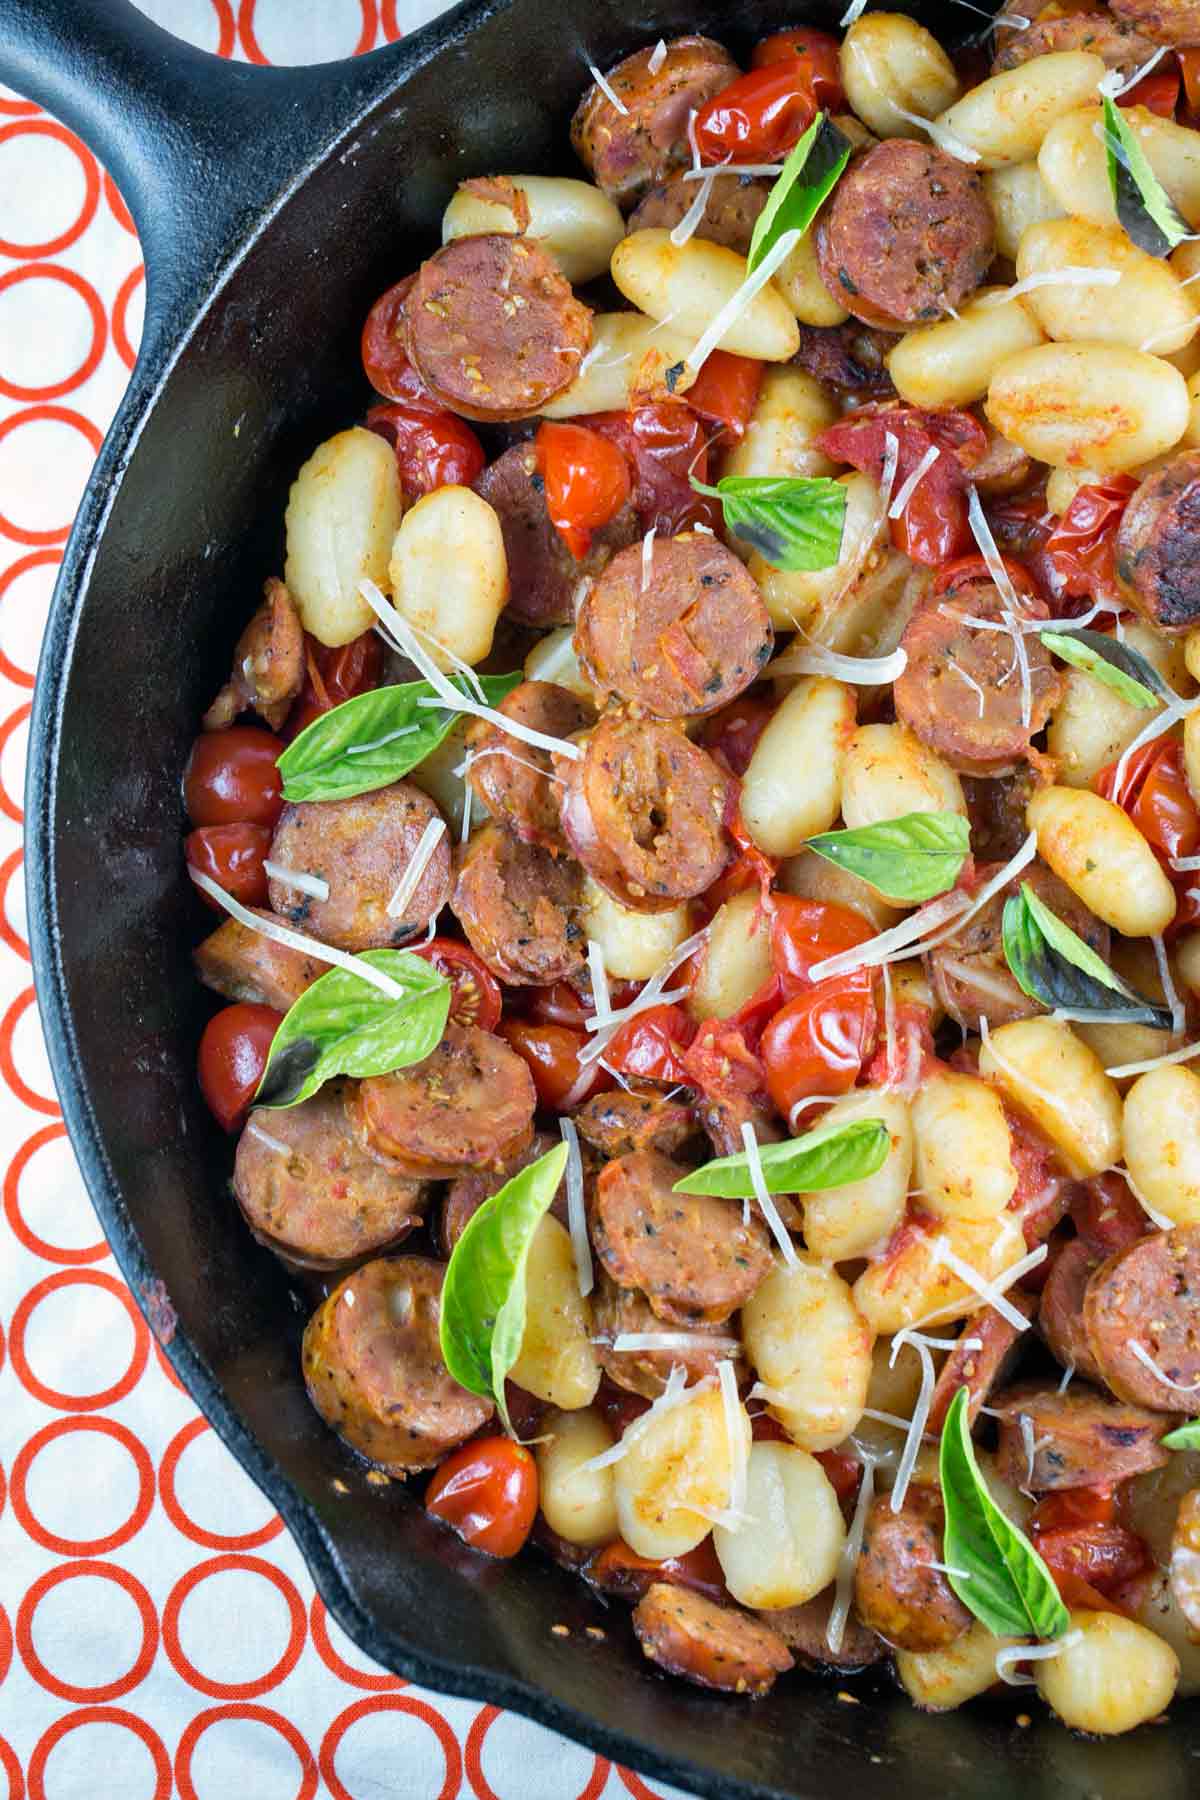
688, 226
1045, 278
576, 1215
657, 58
920, 1417
859, 671
692, 1343
770, 1211
1145, 1358
737, 303
990, 1292
1011, 1654
675, 1393
896, 509
315, 886
843, 1589
255, 1130
411, 879
648, 558
891, 463
297, 940
1170, 991
609, 93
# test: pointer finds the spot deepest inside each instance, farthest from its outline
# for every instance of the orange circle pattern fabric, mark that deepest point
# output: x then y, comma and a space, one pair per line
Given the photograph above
159, 1633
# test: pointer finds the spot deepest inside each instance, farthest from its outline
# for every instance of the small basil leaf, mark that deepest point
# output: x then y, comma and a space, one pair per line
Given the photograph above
912, 858
344, 1026
1119, 666
483, 1294
1144, 208
808, 177
826, 1158
1184, 1437
991, 1565
1053, 965
794, 524
374, 739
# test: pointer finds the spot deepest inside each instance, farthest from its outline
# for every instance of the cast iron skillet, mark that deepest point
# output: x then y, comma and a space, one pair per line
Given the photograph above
273, 205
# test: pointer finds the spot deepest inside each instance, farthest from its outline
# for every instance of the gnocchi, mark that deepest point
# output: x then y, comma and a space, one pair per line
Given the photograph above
690, 284
812, 1349
573, 220
792, 1552
792, 788
449, 574
1096, 406
343, 514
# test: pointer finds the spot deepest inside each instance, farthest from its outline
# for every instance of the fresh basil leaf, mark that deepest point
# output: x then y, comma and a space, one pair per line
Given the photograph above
1144, 207
483, 1294
805, 182
910, 859
991, 1565
1118, 666
344, 1026
1053, 965
829, 1157
794, 524
1184, 1437
374, 739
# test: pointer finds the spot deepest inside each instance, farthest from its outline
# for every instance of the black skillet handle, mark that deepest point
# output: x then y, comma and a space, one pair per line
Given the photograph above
200, 147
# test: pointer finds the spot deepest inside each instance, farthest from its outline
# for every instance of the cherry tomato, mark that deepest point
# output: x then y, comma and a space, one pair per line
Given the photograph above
804, 932
384, 357
619, 1570
476, 998
488, 1491
844, 1472
1074, 1507
652, 1044
1189, 68
551, 1054
818, 1042
334, 675
232, 856
722, 1062
587, 481
562, 1004
818, 51
732, 734
666, 444
1107, 1215
433, 450
231, 778
759, 117
1155, 794
726, 390
751, 867
934, 528
911, 1055
1158, 92
1080, 549
974, 568
233, 1054
1088, 1561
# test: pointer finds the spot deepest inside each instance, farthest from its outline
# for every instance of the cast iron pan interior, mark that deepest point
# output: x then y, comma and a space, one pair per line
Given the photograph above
273, 207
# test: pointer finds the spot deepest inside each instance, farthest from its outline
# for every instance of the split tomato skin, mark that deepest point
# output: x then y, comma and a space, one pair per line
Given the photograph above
587, 481
487, 1491
433, 450
233, 857
476, 998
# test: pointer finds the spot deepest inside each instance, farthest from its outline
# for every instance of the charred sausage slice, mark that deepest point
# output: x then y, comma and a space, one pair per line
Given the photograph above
468, 1105
691, 1255
268, 664
803, 1629
645, 140
962, 691
896, 1590
1157, 566
618, 1123
907, 235
712, 1645
847, 357
1174, 22
1079, 1438
617, 1311
514, 780
244, 965
1120, 44
543, 575
374, 1370
730, 212
362, 849
682, 632
978, 1370
518, 906
493, 329
309, 1190
1144, 1302
644, 813
1060, 1309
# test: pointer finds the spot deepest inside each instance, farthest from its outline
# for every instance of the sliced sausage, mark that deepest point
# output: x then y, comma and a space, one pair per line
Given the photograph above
1147, 1299
623, 1121
896, 1590
309, 1190
374, 1371
978, 1369
617, 1310
1079, 1438
362, 849
543, 576
962, 690
804, 1628
1119, 43
730, 212
1174, 22
513, 779
996, 810
244, 965
682, 632
268, 664
969, 972
1185, 1560
518, 906
712, 1645
1060, 1309
1157, 567
644, 810
467, 1193
469, 1104
492, 327
645, 139
849, 358
694, 1257
907, 235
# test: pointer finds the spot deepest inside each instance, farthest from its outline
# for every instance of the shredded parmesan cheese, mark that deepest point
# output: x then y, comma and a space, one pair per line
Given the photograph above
737, 303
1154, 1062
1013, 19
763, 170
601, 994
1032, 1445
891, 462
655, 993
606, 90
1157, 1218
690, 222
1012, 1654
916, 1428
889, 1024
999, 1286
843, 1589
657, 58
1145, 1358
255, 1130
675, 1393
770, 1211
859, 671
315, 886
886, 1418
1071, 277
576, 1216
297, 940
692, 1343
1068, 1377
896, 509
648, 557
1170, 991
737, 1438
410, 881
474, 756
855, 10
1162, 721
970, 681
1112, 85
992, 1294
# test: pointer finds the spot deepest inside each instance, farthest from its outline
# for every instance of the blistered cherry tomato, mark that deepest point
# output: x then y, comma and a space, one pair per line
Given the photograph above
1155, 794
665, 443
587, 481
475, 999
820, 54
562, 1004
818, 1042
433, 450
551, 1054
732, 734
934, 527
759, 117
726, 390
488, 1491
1081, 547
723, 1064
1073, 1507
619, 1570
232, 856
384, 357
231, 778
1086, 1551
804, 932
1158, 92
652, 1044
233, 1053
1107, 1215
335, 674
